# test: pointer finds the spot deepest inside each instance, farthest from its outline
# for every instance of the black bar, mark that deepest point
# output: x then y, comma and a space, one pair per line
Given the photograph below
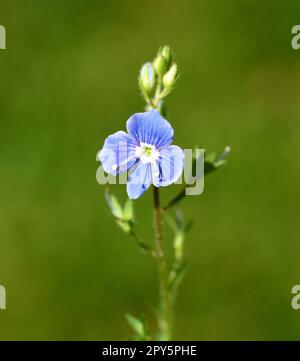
133, 350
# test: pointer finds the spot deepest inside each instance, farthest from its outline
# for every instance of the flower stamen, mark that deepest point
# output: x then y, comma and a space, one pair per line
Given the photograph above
146, 152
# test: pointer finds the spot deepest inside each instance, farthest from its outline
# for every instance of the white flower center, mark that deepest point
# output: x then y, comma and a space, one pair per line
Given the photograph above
146, 152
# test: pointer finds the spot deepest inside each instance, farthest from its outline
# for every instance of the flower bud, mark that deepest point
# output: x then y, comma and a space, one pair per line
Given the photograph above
160, 65
147, 78
167, 53
170, 77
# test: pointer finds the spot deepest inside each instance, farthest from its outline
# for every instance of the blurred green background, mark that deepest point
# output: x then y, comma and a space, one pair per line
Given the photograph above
69, 79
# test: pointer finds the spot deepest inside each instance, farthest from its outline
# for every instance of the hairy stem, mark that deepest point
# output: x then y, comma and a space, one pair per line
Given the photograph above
165, 314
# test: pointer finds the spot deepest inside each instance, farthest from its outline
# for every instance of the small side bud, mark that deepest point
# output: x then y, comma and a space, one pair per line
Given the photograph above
147, 79
171, 77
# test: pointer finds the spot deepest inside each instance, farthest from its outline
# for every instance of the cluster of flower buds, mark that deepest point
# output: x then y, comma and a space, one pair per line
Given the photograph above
157, 79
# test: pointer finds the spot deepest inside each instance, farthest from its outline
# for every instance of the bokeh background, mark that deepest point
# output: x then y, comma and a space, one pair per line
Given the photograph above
69, 79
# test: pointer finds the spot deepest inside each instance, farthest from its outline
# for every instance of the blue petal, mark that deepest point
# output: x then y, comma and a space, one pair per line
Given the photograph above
169, 166
139, 180
150, 127
118, 153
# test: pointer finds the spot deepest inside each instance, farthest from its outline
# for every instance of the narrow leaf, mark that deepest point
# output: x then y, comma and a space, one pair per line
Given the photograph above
128, 210
114, 205
136, 324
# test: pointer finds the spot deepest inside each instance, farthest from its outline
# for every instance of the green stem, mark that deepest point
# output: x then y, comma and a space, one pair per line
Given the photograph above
165, 314
142, 246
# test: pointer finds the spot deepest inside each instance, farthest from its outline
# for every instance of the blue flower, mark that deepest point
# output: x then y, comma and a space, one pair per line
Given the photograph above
145, 152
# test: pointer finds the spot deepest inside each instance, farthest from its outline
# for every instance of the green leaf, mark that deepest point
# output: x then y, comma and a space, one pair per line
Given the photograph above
128, 210
138, 327
178, 245
124, 225
212, 162
176, 276
210, 157
114, 205
178, 224
179, 230
136, 324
